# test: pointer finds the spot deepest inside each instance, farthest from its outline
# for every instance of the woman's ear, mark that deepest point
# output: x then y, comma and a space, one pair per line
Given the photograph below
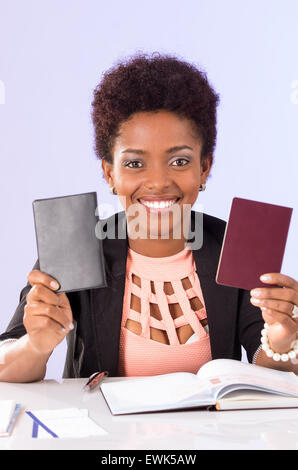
107, 171
206, 165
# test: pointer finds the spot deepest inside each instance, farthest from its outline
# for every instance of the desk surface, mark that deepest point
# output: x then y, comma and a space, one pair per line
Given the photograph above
192, 429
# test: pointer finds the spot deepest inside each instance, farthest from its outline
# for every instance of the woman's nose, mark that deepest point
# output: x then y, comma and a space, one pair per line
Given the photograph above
157, 180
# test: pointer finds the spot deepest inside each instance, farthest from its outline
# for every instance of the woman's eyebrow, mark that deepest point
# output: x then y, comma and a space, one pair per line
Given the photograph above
170, 150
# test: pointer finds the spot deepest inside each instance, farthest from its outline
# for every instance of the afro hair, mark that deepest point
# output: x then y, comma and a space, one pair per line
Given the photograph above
153, 82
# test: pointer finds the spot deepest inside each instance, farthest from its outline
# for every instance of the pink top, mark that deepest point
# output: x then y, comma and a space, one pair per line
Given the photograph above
158, 312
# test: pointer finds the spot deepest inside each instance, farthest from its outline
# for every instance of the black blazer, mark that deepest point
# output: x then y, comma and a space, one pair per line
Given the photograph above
93, 344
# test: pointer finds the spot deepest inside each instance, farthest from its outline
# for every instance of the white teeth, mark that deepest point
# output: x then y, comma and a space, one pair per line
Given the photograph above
158, 204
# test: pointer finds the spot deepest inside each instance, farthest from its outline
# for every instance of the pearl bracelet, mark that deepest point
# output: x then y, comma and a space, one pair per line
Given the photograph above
276, 356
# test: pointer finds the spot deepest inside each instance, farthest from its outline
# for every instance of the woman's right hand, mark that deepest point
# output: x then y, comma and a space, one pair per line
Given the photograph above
47, 315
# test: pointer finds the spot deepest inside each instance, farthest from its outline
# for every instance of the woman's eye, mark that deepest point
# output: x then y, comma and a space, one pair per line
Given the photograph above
129, 163
181, 159
134, 163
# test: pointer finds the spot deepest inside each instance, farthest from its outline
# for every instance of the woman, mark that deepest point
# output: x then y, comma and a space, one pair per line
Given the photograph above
155, 134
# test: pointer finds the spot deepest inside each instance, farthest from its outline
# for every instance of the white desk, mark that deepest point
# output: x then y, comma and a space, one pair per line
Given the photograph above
252, 429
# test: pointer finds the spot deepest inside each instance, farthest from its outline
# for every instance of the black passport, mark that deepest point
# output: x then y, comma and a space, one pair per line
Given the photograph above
68, 249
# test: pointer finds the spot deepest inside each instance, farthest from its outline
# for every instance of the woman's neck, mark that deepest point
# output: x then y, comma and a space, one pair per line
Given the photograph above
156, 248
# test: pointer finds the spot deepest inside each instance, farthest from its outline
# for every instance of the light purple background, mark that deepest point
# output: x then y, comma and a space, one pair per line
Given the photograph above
52, 55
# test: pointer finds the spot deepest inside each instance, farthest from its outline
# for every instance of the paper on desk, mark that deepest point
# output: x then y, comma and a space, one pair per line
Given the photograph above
9, 411
67, 422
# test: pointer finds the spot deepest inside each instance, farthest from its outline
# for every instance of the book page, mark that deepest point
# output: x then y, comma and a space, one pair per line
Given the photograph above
254, 399
257, 395
223, 372
160, 390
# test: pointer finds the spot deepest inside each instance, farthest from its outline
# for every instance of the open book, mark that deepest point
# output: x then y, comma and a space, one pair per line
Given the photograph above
221, 384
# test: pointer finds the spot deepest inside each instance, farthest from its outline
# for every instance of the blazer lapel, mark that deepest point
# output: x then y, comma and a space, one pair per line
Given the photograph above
220, 301
107, 303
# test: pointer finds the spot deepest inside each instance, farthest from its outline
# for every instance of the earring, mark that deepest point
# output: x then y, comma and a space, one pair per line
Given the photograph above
202, 187
111, 189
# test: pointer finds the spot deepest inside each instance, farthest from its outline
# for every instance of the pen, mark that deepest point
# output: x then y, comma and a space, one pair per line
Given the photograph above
95, 379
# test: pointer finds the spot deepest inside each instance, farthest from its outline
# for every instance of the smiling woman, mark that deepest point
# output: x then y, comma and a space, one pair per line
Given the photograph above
164, 174
162, 311
155, 133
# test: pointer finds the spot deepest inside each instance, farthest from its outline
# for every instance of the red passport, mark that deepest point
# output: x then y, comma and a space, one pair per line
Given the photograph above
253, 244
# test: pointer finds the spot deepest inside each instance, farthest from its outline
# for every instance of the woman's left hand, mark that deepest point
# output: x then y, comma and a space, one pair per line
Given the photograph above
277, 306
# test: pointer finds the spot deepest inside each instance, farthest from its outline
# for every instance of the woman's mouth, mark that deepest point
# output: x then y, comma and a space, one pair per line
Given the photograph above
158, 205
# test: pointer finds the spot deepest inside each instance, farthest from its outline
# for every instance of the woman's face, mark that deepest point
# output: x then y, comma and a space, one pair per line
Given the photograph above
156, 156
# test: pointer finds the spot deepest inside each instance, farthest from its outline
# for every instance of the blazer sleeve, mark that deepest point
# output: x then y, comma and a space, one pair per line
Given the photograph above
249, 325
16, 328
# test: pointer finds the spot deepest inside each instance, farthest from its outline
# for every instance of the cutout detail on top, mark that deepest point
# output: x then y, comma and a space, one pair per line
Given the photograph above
160, 335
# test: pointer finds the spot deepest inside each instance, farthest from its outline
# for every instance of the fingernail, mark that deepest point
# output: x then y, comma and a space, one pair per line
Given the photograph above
71, 326
255, 301
63, 330
255, 292
54, 284
265, 277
